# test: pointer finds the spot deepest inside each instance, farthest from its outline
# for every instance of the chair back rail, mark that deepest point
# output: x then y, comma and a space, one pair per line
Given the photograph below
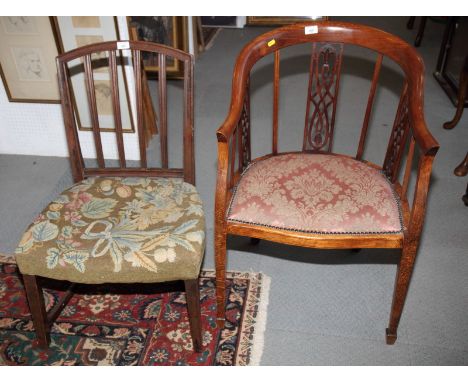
116, 108
324, 76
136, 48
163, 110
275, 102
370, 102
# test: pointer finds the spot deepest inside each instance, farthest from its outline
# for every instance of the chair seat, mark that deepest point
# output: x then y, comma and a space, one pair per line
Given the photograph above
316, 193
118, 230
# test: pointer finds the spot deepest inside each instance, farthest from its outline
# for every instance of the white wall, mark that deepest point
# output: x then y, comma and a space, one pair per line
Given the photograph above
38, 129
31, 128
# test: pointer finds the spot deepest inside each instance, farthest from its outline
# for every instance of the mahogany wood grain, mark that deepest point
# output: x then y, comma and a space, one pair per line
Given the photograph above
370, 102
37, 308
409, 162
144, 115
275, 101
192, 291
61, 303
189, 133
129, 171
409, 121
139, 101
116, 108
74, 148
163, 110
91, 92
398, 137
461, 97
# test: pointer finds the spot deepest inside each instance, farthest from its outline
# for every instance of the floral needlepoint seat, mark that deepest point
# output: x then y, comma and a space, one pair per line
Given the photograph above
133, 215
316, 193
118, 229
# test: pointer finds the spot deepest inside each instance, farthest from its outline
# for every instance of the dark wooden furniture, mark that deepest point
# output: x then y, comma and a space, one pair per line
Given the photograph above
462, 168
462, 96
125, 242
450, 61
234, 156
421, 28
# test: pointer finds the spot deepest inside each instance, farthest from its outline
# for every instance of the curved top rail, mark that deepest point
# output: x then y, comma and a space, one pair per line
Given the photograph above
340, 32
117, 45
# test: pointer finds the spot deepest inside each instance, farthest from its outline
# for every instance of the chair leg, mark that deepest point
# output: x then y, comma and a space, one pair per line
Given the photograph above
220, 260
403, 278
462, 168
462, 94
465, 197
37, 308
422, 26
410, 22
193, 306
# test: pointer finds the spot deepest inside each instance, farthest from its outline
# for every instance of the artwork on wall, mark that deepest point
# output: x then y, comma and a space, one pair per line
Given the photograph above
281, 20
77, 31
28, 48
166, 30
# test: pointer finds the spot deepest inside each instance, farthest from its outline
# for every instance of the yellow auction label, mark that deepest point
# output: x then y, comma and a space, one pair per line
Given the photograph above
271, 42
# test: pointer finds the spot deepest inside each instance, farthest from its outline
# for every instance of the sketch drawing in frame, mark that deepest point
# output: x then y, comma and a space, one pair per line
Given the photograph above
28, 47
165, 30
77, 31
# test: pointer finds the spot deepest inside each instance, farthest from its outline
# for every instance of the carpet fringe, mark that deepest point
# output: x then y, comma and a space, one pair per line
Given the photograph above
257, 347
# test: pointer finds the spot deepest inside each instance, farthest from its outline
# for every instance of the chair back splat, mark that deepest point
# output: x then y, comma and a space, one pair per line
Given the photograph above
117, 60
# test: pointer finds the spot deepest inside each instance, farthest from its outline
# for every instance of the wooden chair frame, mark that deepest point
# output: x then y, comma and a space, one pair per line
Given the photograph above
234, 150
42, 320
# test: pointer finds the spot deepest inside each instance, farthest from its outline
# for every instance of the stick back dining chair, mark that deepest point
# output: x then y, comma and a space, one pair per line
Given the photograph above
123, 221
312, 197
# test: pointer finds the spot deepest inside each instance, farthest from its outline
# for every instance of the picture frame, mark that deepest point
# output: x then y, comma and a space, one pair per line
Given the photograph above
281, 20
77, 31
167, 30
28, 47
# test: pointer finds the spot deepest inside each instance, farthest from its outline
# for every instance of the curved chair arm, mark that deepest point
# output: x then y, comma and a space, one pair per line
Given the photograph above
418, 209
425, 140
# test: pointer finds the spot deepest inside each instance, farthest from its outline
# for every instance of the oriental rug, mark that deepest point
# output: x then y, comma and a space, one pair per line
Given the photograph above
122, 326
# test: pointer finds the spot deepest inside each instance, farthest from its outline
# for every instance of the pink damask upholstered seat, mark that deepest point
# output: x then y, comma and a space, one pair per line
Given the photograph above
316, 193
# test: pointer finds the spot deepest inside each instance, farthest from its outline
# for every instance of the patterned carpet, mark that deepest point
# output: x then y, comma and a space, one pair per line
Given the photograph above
124, 327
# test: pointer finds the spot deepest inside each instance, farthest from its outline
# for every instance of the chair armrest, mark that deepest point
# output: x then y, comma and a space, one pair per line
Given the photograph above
418, 208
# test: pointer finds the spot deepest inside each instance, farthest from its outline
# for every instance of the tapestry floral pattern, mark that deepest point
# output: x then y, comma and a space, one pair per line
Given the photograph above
316, 193
117, 229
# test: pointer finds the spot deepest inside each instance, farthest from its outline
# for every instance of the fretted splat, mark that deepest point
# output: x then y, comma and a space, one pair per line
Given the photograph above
325, 68
398, 138
244, 132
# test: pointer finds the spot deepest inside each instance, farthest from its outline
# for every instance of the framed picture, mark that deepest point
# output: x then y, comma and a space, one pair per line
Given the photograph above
28, 48
76, 31
219, 21
281, 20
166, 30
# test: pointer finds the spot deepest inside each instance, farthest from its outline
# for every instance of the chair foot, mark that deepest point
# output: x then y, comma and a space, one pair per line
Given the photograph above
465, 199
390, 337
254, 241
